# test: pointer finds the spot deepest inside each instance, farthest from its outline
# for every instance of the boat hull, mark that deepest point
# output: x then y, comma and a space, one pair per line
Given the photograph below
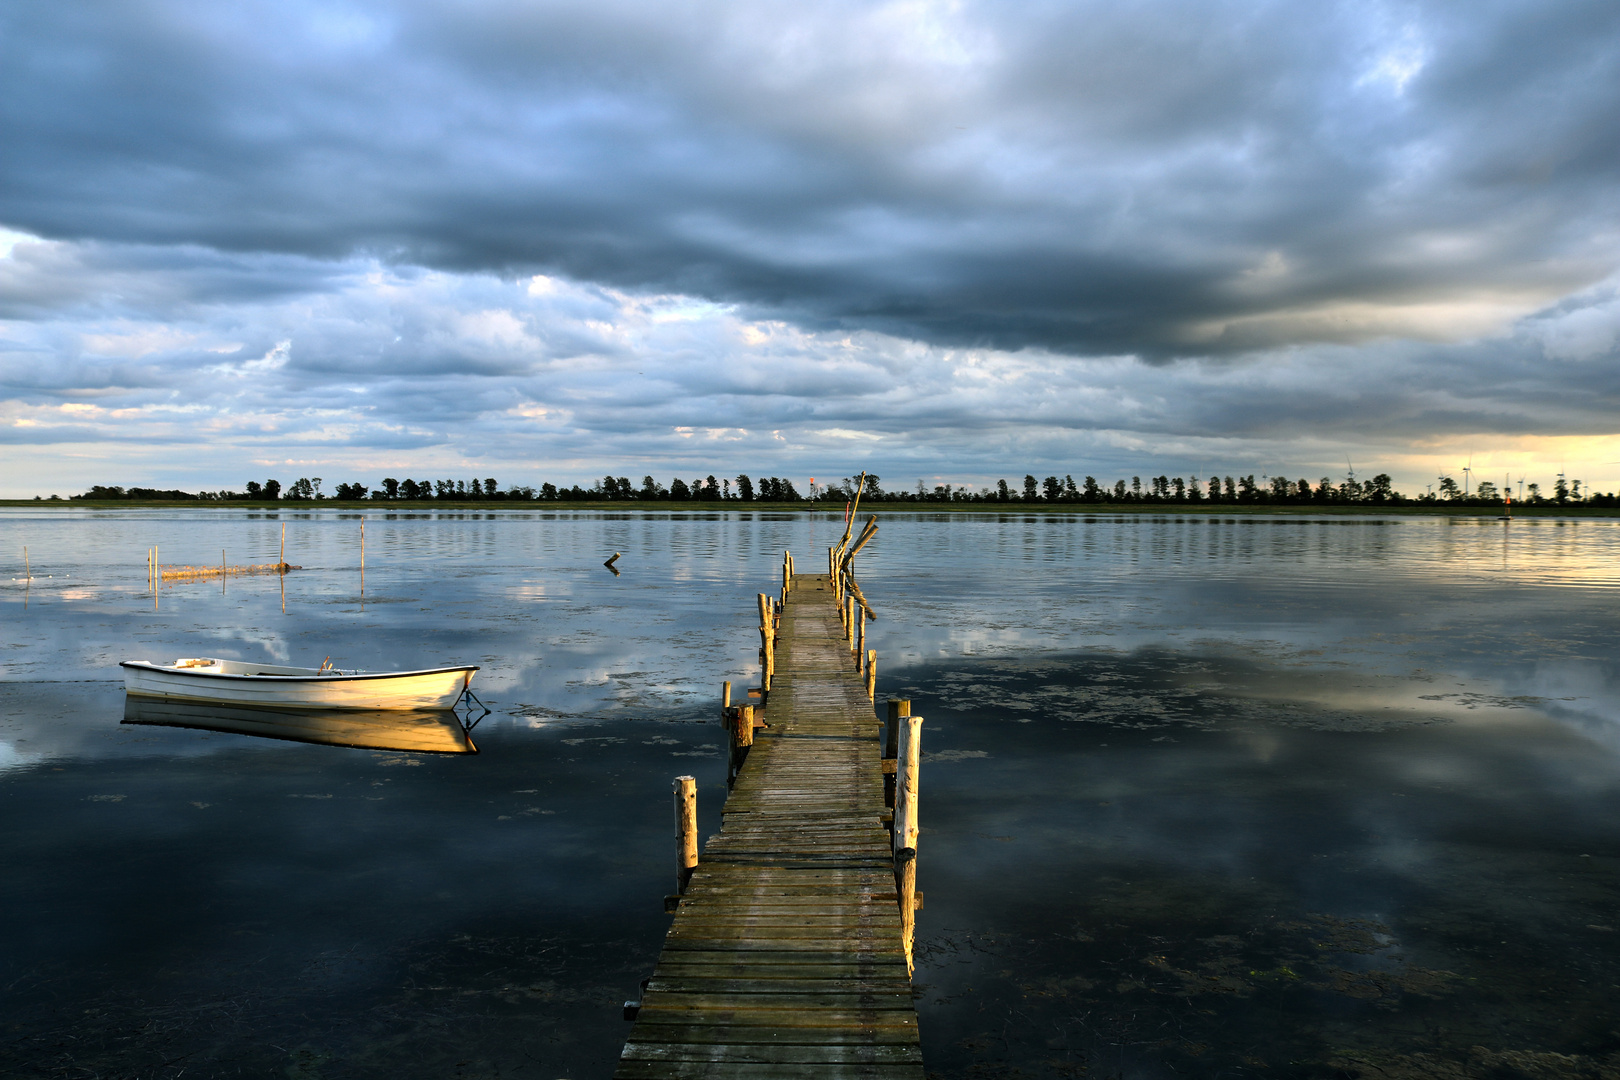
433, 688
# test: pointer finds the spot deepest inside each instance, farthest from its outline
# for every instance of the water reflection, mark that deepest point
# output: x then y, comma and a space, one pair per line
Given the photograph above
424, 731
1202, 795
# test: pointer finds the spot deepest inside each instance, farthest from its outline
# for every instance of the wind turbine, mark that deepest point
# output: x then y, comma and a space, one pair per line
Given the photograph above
1468, 468
1351, 478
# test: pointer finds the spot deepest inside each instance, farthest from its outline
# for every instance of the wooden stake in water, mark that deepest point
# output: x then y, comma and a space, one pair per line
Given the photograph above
725, 696
686, 841
283, 557
223, 571
905, 788
28, 570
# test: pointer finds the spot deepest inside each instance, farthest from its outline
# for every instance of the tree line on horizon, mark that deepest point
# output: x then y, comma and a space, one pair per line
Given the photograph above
1276, 490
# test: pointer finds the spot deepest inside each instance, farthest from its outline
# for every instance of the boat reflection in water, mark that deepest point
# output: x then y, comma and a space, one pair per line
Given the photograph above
436, 731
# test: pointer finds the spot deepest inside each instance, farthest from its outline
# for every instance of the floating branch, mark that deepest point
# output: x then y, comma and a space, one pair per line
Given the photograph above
196, 573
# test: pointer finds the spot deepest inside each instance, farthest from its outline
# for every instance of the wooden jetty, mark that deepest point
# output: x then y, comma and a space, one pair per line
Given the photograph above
790, 952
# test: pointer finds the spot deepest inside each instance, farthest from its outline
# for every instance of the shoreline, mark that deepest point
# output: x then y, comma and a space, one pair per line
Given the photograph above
737, 506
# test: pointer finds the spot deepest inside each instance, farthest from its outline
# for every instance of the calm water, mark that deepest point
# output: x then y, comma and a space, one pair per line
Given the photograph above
1202, 796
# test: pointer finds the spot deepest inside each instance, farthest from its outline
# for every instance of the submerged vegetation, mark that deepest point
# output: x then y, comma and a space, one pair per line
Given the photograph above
1158, 490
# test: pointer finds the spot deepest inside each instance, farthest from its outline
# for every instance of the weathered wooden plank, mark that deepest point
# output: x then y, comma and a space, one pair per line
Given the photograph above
746, 1053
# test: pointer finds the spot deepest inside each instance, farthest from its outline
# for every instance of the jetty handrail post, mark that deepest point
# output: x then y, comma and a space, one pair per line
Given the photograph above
686, 842
899, 709
905, 888
871, 674
905, 786
860, 635
725, 696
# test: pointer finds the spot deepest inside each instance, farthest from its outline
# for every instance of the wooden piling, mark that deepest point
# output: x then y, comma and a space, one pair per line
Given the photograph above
28, 568
725, 695
282, 558
905, 787
686, 838
871, 674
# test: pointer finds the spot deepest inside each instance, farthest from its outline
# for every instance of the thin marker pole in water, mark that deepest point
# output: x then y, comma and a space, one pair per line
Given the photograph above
28, 570
284, 549
222, 572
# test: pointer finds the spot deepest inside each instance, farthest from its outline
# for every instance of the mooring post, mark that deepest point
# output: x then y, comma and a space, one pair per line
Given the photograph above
905, 887
899, 709
686, 842
905, 787
871, 674
725, 696
742, 737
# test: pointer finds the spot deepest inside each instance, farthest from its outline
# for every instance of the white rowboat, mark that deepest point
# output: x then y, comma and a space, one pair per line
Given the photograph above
236, 682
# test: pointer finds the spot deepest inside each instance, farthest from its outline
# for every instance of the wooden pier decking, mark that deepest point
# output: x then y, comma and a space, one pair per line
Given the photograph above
787, 956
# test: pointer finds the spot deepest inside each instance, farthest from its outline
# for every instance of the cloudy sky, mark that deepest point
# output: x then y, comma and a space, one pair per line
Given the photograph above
945, 241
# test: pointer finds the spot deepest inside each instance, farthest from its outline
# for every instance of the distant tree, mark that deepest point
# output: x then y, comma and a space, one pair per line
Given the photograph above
725, 488
301, 489
1303, 491
1091, 493
1449, 489
1324, 490
678, 490
1381, 489
786, 492
1181, 489
874, 488
1575, 490
1486, 492
711, 488
272, 490
1247, 490
351, 491
490, 487
1003, 493
1031, 488
1231, 490
315, 482
1070, 492
390, 487
1214, 489
745, 488
548, 492
1052, 489
1119, 491
1136, 487
1195, 491
1282, 489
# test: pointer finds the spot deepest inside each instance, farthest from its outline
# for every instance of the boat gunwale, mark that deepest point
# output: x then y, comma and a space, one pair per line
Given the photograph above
195, 673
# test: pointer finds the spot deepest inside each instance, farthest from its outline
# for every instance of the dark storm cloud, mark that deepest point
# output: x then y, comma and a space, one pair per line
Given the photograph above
1165, 178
